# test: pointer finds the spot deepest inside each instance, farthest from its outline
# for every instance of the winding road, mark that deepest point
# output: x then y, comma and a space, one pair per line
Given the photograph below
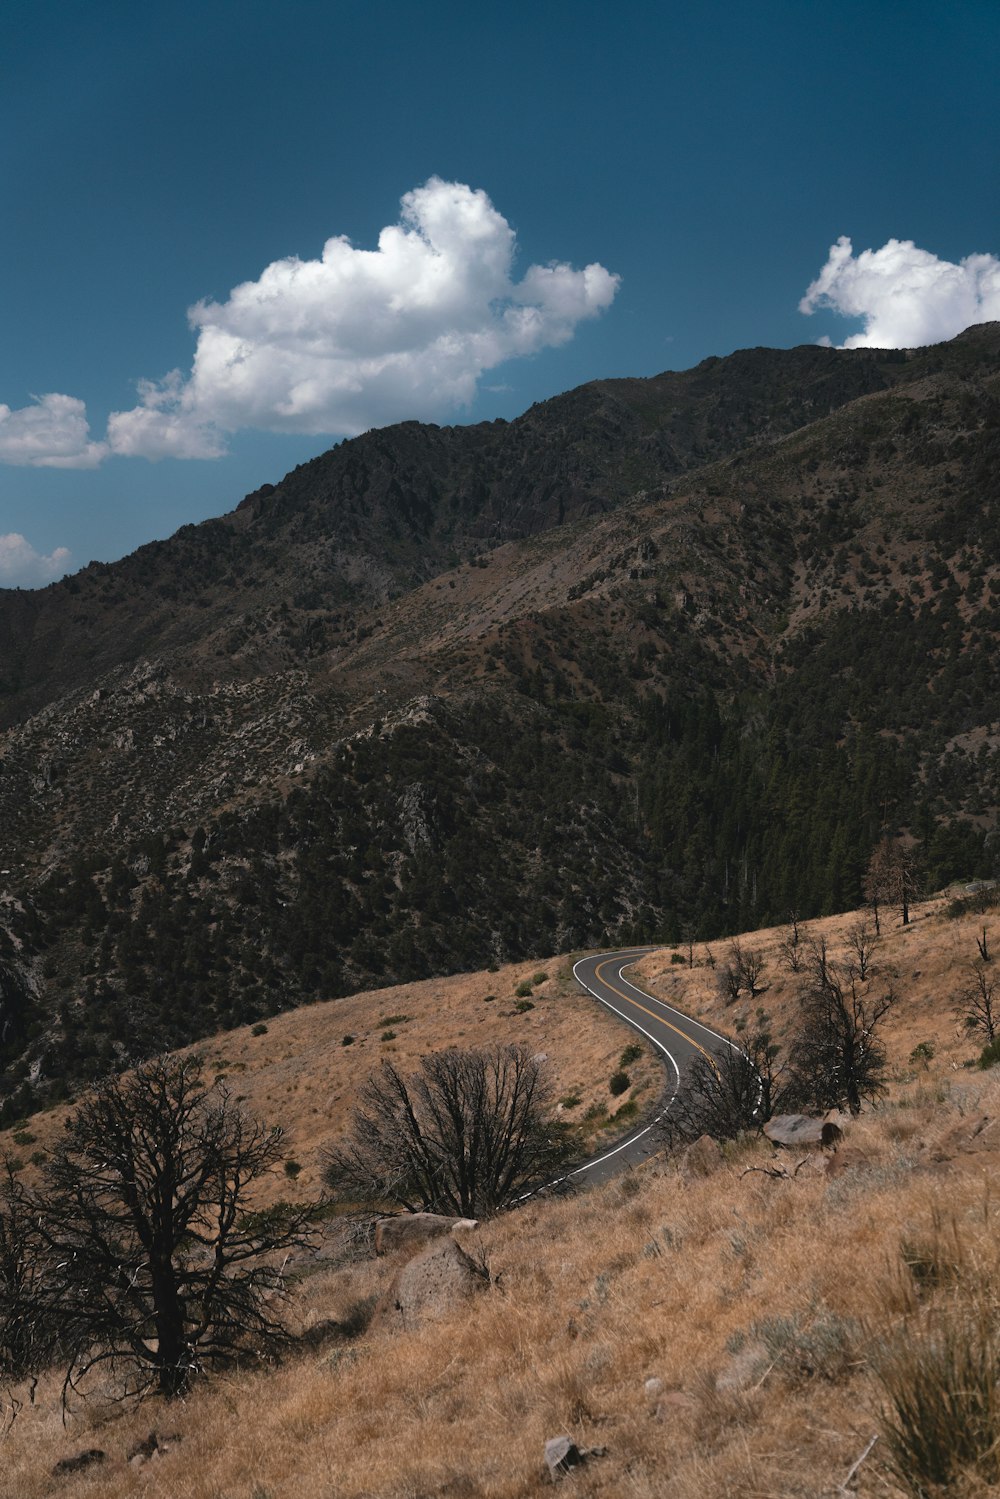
675, 1035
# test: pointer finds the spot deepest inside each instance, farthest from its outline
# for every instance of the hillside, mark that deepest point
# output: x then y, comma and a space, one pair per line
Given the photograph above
714, 1328
660, 656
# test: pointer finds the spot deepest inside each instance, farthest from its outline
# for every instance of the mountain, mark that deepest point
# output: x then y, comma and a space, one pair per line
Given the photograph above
661, 655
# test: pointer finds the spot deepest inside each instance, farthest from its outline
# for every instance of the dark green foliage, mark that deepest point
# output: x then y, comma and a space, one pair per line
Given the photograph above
619, 1083
631, 1053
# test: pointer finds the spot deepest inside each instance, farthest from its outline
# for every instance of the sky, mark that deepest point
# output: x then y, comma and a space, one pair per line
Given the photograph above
234, 232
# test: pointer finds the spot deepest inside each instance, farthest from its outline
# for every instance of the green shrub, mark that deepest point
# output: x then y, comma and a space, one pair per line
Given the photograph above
922, 1053
677, 957
990, 1055
347, 1041
523, 989
260, 1029
388, 1036
394, 1020
523, 1005
620, 1082
540, 978
292, 1169
570, 1101
488, 999
631, 1054
23, 1137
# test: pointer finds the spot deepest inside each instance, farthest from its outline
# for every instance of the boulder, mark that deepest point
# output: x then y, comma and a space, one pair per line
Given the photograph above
798, 1130
437, 1279
411, 1231
970, 1136
562, 1455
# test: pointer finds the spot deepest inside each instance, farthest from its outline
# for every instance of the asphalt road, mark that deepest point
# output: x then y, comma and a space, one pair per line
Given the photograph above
676, 1036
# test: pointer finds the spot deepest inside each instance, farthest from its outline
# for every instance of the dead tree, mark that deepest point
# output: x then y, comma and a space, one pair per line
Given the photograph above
150, 1262
838, 1059
465, 1135
983, 944
863, 944
734, 1092
892, 878
979, 1003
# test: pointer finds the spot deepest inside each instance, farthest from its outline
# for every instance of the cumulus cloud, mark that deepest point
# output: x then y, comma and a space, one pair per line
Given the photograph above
22, 567
51, 433
906, 296
359, 338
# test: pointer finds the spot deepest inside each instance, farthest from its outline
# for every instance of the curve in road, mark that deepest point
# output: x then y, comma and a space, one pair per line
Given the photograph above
675, 1035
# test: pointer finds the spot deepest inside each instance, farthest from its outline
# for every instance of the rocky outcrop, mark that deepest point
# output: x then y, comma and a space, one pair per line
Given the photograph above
412, 1231
434, 1282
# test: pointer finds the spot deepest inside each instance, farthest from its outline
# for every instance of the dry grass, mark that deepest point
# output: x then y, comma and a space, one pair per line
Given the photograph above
765, 1307
299, 1074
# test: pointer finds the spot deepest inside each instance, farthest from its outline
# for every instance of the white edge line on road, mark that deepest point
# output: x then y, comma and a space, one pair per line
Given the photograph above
716, 1035
660, 1047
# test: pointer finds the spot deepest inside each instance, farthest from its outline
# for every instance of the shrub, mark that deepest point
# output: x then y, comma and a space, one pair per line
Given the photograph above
292, 1169
631, 1054
990, 1055
523, 1005
922, 1053
488, 999
523, 989
394, 1020
347, 1041
570, 1100
619, 1083
942, 1422
388, 1036
23, 1137
540, 978
677, 957
260, 1029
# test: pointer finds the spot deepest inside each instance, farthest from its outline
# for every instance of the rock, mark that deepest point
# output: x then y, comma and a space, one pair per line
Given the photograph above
411, 1231
437, 1279
143, 1451
562, 1455
653, 1387
702, 1157
88, 1459
797, 1130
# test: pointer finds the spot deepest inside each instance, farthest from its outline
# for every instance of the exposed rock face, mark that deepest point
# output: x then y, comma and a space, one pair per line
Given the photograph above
411, 1231
431, 1284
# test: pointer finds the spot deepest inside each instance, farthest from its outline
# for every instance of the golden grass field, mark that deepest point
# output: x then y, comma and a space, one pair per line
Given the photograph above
764, 1306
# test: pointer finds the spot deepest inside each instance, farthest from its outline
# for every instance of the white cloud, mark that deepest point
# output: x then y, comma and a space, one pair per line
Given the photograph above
22, 567
160, 427
51, 433
906, 296
360, 338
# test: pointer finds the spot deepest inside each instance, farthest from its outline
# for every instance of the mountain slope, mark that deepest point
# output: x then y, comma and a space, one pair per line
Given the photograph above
660, 693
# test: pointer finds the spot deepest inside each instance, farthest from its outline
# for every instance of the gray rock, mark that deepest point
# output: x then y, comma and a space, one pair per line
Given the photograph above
797, 1130
411, 1231
562, 1455
432, 1283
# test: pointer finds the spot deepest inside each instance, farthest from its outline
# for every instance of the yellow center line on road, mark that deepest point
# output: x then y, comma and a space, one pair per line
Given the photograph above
658, 1018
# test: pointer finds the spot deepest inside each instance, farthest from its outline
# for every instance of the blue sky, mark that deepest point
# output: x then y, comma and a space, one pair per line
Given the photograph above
701, 160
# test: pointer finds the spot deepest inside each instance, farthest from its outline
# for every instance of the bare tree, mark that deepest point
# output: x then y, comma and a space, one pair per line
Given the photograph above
732, 1093
791, 946
979, 1003
467, 1134
837, 1057
28, 1337
148, 1258
983, 944
743, 970
892, 877
863, 944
